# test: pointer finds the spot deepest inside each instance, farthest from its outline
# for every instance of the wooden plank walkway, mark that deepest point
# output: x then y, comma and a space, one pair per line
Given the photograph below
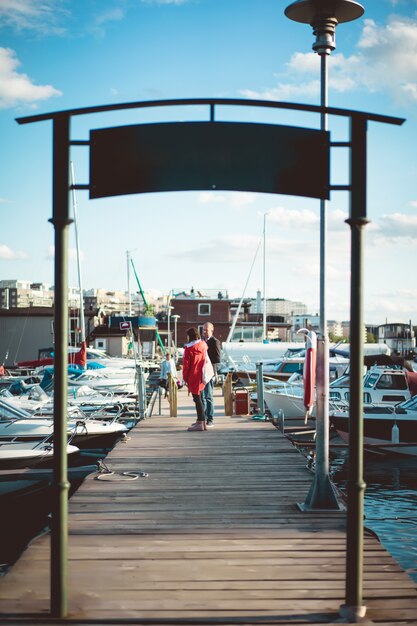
212, 536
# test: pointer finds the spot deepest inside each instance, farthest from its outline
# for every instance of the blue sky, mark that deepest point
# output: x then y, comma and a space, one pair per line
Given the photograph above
61, 54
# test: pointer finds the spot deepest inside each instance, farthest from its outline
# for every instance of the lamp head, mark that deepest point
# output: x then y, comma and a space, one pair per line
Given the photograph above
323, 16
306, 11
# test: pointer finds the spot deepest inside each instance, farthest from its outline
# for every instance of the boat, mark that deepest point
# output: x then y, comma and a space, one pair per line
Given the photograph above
382, 385
18, 454
19, 425
82, 402
20, 482
386, 429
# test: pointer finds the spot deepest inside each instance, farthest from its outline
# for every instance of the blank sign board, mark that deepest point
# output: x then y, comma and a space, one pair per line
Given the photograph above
209, 155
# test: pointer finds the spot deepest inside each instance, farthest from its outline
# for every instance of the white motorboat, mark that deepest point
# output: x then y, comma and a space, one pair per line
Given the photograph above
382, 385
18, 454
387, 429
82, 402
19, 425
101, 381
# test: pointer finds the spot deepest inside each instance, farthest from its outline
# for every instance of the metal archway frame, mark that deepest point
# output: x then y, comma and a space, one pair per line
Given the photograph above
357, 220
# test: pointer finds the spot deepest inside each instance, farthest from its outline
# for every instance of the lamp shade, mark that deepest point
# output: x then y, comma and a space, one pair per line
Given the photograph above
307, 11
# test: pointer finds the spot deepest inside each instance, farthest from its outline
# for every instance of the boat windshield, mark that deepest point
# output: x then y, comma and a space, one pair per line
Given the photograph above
289, 367
392, 381
8, 411
370, 380
343, 381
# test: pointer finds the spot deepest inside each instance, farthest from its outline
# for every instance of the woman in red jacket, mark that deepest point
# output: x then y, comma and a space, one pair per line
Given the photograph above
195, 353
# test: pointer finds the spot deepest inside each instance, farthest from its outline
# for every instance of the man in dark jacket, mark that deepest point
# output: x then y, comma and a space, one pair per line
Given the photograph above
213, 349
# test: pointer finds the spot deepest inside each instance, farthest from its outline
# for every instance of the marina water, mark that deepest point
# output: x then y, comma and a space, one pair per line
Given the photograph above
390, 503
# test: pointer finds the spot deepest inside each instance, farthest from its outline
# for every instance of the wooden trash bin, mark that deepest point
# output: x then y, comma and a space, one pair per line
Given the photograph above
242, 402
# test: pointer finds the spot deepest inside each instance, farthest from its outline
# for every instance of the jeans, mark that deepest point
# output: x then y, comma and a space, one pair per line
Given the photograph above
207, 398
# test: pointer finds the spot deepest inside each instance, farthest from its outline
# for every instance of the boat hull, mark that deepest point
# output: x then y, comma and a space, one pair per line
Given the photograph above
378, 433
288, 404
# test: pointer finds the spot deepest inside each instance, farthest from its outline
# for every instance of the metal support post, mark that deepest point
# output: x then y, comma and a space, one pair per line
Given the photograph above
159, 400
323, 16
353, 609
60, 487
260, 415
141, 392
322, 494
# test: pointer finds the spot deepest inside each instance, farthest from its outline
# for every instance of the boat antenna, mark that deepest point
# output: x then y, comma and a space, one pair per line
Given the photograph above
77, 243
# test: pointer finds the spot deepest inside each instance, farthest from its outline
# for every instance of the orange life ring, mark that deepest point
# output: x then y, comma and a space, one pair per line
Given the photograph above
309, 372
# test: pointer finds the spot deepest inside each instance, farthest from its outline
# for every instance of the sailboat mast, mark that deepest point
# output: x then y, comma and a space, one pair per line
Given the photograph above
264, 333
77, 244
128, 283
236, 317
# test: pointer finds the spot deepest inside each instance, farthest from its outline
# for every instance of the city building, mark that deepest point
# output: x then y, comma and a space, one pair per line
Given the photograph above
277, 306
22, 293
399, 337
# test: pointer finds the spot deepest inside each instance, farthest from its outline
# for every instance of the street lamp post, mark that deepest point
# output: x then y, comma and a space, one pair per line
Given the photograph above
175, 318
324, 16
169, 309
169, 343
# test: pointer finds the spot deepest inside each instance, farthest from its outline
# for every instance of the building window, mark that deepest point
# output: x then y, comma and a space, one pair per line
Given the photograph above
204, 309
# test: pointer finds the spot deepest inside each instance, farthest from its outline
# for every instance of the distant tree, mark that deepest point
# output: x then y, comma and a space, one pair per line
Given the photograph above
149, 310
370, 338
335, 338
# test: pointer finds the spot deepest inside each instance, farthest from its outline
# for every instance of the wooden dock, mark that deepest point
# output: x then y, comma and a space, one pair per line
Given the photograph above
211, 536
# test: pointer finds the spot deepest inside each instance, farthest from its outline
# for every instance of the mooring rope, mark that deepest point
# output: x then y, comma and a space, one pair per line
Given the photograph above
105, 473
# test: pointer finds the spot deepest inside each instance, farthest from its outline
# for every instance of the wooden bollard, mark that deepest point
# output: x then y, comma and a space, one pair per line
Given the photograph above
228, 395
172, 396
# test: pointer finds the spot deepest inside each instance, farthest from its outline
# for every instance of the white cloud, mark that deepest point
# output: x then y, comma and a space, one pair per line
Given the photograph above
398, 225
413, 203
241, 199
8, 254
394, 307
285, 91
235, 199
111, 15
210, 197
102, 20
33, 15
386, 61
231, 248
239, 248
336, 220
294, 218
17, 88
312, 270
